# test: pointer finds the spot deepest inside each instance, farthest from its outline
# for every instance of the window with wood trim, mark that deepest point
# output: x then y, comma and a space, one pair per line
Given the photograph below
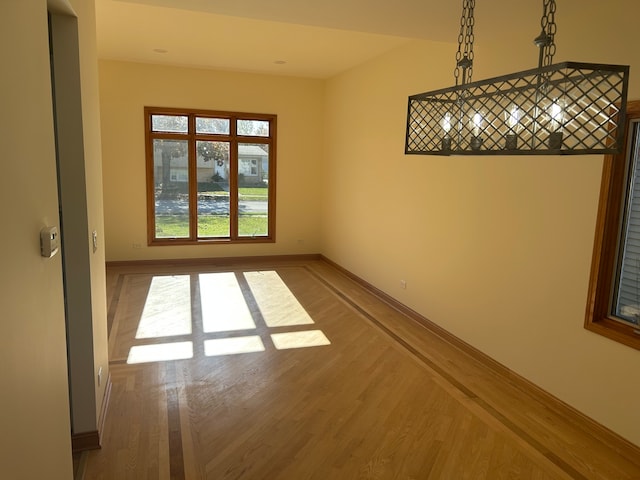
613, 307
210, 176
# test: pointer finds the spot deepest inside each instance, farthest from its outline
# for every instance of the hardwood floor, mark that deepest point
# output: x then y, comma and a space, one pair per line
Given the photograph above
291, 370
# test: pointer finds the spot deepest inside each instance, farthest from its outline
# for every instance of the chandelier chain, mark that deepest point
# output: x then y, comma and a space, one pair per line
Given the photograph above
464, 55
549, 28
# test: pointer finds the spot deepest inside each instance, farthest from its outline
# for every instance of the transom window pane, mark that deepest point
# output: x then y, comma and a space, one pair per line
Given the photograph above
171, 188
170, 123
254, 128
219, 126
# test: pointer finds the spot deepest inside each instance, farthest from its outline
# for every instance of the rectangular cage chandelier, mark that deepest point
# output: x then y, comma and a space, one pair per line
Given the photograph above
555, 109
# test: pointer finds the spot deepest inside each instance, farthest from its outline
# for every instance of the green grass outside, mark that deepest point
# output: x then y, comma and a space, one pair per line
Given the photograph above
253, 191
177, 226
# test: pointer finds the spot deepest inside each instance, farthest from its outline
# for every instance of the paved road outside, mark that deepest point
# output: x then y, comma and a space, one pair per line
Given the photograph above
218, 207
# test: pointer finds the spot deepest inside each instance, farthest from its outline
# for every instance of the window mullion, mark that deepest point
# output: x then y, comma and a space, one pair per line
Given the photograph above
233, 189
193, 181
149, 172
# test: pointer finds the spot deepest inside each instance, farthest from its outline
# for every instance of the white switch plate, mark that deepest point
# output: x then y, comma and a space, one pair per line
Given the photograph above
49, 241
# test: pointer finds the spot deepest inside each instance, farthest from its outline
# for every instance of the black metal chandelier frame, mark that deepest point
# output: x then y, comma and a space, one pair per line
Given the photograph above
554, 109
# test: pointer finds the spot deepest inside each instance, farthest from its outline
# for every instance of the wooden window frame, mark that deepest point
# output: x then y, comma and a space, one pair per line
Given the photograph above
613, 189
234, 139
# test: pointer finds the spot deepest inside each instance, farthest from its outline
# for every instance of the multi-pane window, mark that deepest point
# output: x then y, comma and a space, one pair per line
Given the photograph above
613, 308
210, 176
626, 305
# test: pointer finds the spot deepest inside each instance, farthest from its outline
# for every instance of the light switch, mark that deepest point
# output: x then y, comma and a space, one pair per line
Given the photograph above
49, 241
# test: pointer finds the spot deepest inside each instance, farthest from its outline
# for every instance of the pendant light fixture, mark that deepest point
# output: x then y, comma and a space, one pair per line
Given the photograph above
555, 109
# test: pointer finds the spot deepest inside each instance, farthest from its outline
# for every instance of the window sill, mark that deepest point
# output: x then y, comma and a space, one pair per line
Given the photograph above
209, 241
614, 330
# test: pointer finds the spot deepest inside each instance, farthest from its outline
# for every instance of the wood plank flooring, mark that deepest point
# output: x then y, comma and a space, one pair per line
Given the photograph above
292, 371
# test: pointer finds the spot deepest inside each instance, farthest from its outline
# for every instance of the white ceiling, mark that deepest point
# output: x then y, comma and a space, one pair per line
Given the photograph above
315, 38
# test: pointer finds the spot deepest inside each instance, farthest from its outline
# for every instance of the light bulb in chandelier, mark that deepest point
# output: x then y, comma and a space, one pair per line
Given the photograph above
556, 114
476, 127
446, 126
446, 123
513, 120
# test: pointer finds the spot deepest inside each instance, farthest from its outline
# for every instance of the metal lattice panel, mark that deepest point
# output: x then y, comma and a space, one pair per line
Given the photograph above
567, 108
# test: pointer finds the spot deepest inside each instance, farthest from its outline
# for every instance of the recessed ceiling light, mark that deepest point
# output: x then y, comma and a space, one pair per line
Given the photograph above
160, 50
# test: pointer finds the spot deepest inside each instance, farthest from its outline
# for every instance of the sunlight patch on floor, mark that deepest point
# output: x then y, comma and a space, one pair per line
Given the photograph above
233, 346
161, 352
278, 305
167, 310
307, 338
224, 308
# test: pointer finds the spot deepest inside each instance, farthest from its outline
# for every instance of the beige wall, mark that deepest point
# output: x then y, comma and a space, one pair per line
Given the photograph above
32, 331
35, 413
496, 250
125, 88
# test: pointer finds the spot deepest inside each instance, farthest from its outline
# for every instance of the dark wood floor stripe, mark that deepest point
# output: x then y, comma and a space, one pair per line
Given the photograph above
453, 381
113, 305
176, 454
